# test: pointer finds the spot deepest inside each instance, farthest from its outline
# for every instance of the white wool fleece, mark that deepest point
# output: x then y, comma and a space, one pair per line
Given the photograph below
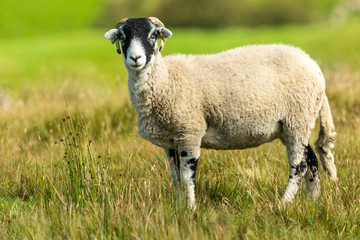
233, 100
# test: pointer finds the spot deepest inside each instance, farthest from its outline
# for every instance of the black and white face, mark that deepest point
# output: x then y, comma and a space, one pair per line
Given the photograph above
138, 38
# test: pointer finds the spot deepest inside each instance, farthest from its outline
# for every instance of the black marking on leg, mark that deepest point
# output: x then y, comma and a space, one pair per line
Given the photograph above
184, 154
193, 167
192, 163
312, 161
311, 158
172, 152
300, 169
303, 168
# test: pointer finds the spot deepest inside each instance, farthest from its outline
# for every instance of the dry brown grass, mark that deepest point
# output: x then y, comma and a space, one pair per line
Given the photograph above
122, 188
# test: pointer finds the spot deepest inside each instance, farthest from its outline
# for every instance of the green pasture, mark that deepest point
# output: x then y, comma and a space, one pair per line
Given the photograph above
85, 53
73, 167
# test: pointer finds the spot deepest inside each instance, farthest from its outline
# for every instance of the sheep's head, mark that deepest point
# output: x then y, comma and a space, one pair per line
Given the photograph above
138, 38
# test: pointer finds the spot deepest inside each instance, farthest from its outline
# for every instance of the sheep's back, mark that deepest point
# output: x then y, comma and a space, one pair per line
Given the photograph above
249, 92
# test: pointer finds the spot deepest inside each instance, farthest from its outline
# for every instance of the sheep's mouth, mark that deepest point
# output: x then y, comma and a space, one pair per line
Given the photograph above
136, 67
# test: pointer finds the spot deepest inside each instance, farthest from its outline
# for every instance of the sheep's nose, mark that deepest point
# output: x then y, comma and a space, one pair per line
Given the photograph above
135, 58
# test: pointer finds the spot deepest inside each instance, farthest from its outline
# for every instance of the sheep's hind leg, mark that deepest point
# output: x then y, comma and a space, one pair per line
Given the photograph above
297, 170
174, 166
312, 176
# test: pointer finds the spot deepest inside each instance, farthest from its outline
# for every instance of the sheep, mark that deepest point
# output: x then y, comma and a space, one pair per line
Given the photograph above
236, 99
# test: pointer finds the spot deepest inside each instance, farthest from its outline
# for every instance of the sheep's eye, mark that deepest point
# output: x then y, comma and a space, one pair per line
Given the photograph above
121, 36
152, 36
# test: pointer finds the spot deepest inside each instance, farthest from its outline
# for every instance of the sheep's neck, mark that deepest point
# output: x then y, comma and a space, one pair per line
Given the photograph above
147, 87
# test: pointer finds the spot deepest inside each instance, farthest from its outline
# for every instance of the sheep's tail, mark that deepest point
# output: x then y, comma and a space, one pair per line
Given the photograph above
326, 139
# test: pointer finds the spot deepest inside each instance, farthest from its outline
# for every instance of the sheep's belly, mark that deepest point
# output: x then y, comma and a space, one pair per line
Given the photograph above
241, 139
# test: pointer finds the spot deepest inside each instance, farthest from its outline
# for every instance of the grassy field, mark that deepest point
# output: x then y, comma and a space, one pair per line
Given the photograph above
72, 165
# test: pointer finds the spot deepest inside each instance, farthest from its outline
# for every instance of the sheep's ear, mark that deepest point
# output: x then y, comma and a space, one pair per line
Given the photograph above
164, 33
111, 34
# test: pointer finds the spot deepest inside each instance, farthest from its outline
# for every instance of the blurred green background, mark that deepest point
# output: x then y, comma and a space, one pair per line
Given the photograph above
42, 17
57, 43
38, 35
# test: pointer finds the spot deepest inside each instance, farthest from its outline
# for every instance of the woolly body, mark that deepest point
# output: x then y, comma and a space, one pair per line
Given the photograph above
236, 99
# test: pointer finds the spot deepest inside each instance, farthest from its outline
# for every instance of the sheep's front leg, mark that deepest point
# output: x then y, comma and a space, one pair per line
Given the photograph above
297, 170
174, 165
189, 157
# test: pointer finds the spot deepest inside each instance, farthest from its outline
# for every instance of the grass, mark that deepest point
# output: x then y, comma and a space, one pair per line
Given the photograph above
73, 166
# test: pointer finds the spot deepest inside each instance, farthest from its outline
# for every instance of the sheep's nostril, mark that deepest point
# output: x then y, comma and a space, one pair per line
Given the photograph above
135, 58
